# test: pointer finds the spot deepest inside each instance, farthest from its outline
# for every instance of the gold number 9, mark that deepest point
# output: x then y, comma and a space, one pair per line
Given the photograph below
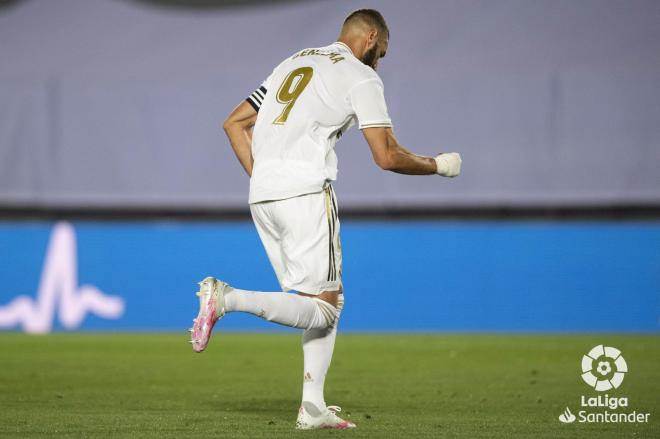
285, 95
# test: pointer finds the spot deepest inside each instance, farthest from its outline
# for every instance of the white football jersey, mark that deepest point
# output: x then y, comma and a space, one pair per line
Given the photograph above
304, 106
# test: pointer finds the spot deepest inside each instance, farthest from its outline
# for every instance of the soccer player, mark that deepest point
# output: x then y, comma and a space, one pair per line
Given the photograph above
284, 136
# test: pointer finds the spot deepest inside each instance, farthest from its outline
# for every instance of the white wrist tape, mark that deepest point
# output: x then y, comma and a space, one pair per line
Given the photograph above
449, 164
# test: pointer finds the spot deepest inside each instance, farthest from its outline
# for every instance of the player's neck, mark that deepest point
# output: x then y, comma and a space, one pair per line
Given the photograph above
352, 46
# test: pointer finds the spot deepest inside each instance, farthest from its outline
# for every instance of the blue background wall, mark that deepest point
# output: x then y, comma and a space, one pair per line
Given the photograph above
408, 276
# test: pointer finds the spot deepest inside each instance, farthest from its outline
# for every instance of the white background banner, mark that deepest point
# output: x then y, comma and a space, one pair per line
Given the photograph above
119, 103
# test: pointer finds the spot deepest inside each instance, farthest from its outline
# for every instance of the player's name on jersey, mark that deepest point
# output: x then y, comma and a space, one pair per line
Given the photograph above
333, 56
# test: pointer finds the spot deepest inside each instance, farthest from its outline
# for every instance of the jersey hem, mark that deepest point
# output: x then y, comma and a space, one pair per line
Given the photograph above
276, 196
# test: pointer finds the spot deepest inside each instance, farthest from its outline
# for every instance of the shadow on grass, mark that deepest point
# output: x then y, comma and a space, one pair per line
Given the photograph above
261, 406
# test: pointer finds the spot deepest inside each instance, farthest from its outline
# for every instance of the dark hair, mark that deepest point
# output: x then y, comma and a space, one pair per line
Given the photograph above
370, 16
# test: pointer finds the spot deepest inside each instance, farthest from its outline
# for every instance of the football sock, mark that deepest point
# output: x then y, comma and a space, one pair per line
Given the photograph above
284, 308
318, 345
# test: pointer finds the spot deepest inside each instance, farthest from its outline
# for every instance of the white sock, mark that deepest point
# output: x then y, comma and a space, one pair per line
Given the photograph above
284, 308
318, 345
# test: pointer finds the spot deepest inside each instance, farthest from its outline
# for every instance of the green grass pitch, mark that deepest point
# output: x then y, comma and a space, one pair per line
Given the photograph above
248, 385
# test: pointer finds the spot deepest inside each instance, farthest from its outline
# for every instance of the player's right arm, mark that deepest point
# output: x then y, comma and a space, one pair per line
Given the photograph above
390, 155
238, 127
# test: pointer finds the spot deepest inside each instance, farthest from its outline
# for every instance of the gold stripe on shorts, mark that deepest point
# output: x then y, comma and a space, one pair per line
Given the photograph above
331, 247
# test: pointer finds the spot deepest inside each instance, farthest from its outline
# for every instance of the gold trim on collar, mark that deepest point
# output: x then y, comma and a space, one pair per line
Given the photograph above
344, 44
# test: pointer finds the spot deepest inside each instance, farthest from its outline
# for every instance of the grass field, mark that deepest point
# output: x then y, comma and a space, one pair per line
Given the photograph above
248, 385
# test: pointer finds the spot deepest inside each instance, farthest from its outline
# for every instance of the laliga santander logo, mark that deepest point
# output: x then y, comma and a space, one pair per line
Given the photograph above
603, 368
567, 417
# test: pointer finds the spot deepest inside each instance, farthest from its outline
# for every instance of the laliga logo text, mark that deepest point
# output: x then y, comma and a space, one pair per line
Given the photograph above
603, 368
59, 292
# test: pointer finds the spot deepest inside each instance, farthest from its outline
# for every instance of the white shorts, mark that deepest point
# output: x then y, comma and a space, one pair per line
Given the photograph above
301, 238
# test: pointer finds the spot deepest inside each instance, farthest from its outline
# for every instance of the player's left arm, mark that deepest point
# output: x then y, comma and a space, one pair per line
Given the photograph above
368, 102
390, 155
238, 127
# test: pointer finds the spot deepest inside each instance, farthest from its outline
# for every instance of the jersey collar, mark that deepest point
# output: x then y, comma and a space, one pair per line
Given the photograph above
344, 45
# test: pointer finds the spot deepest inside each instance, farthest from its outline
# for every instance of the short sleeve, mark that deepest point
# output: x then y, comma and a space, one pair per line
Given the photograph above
259, 95
368, 102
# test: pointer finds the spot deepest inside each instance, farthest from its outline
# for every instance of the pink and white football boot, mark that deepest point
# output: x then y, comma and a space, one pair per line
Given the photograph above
211, 309
311, 418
